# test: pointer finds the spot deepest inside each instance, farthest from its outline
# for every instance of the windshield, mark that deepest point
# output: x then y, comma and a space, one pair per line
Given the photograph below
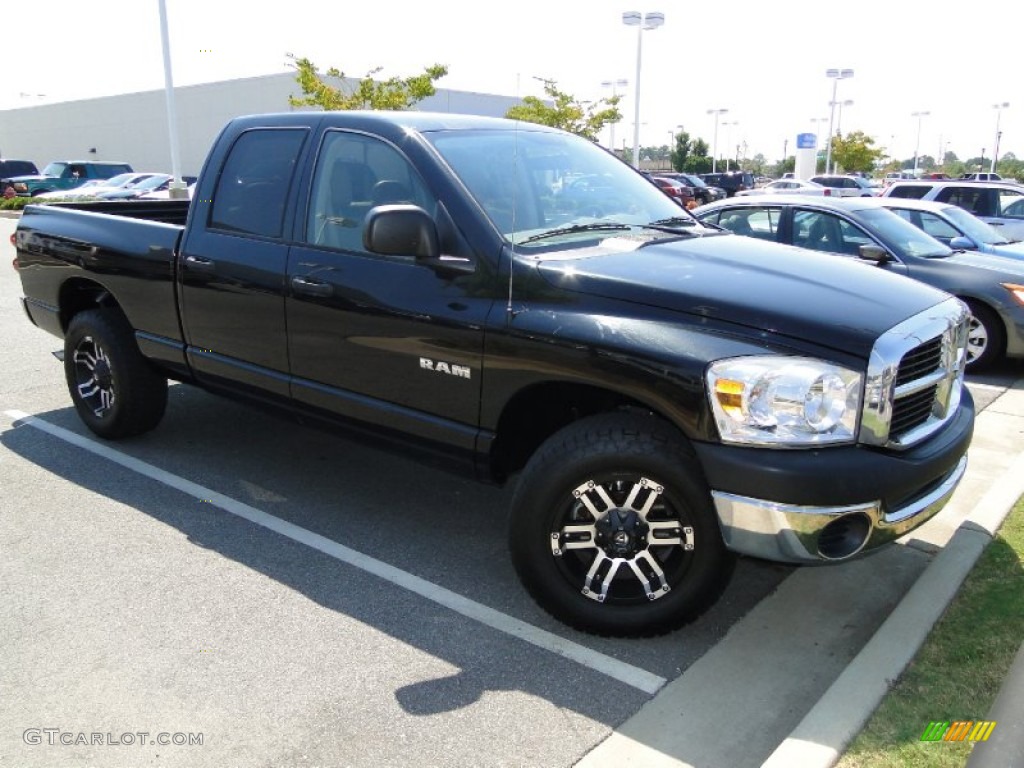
901, 234
151, 182
536, 185
973, 227
54, 169
117, 181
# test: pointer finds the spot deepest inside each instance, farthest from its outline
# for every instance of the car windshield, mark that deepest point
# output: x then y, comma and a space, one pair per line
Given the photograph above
117, 181
152, 182
694, 181
54, 169
973, 227
554, 188
901, 234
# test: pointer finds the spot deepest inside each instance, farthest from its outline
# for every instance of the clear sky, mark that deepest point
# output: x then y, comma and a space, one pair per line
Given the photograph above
763, 61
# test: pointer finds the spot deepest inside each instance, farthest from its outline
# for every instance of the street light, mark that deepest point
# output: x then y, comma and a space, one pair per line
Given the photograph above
839, 127
917, 144
728, 134
714, 147
651, 20
836, 75
816, 122
614, 85
999, 111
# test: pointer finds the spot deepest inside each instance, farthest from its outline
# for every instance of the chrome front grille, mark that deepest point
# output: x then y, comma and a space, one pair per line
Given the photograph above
915, 377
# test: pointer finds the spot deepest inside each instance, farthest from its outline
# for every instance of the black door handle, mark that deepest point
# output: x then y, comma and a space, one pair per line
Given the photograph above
311, 287
200, 264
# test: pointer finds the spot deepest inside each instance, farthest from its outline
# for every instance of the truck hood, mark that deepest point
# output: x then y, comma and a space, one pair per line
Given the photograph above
831, 301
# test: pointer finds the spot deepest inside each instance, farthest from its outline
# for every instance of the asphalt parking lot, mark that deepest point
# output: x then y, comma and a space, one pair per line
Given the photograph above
288, 597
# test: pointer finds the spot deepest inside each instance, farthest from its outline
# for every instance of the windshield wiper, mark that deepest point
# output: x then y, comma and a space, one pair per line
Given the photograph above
674, 221
574, 229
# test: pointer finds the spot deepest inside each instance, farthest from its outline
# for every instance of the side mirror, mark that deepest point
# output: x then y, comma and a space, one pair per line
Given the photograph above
962, 243
407, 230
875, 253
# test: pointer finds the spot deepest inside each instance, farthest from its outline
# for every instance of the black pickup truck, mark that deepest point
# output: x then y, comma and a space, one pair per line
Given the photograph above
517, 302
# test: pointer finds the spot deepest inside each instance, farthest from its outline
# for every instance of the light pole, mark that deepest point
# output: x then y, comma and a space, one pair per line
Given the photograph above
836, 75
728, 136
817, 122
651, 20
917, 144
714, 148
614, 85
839, 128
999, 111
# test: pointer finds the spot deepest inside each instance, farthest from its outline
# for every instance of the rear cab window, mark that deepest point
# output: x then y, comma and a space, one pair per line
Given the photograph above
254, 181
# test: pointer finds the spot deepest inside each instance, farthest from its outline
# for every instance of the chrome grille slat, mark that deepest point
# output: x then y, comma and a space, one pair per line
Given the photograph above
915, 377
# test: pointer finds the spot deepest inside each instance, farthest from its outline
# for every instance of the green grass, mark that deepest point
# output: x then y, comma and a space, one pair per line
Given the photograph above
957, 673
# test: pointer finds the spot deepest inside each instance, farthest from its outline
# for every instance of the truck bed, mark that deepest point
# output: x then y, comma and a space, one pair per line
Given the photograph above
123, 247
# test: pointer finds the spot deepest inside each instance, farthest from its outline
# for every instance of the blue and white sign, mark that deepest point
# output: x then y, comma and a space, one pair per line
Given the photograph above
806, 141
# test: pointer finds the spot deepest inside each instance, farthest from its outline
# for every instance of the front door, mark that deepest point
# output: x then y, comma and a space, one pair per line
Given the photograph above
381, 339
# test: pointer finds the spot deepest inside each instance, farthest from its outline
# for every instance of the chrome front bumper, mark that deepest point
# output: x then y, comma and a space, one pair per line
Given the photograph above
793, 534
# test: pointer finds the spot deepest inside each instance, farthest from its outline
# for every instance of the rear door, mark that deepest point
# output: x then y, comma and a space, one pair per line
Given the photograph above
232, 264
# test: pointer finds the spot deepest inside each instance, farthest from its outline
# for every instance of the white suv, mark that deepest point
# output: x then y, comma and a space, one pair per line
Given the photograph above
999, 203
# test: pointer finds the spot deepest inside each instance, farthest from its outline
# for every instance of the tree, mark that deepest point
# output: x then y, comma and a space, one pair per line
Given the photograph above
393, 93
758, 163
855, 151
584, 118
680, 151
699, 161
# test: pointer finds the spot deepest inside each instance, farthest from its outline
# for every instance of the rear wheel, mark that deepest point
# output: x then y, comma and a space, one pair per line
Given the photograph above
613, 530
985, 337
115, 390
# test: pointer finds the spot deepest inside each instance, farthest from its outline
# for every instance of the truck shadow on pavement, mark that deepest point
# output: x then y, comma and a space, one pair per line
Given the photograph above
442, 528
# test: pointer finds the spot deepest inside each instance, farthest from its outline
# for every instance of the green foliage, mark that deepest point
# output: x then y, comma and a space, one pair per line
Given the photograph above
690, 155
16, 203
394, 93
855, 152
568, 113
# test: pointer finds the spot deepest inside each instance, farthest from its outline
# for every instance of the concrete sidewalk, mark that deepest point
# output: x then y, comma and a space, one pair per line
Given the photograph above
795, 680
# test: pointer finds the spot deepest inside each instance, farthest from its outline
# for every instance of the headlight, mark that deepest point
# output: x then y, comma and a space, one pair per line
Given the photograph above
784, 401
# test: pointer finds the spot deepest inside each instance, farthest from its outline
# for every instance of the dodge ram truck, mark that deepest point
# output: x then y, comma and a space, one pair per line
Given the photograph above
514, 301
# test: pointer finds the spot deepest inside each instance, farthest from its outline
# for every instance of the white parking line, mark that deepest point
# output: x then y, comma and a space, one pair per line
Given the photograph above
599, 662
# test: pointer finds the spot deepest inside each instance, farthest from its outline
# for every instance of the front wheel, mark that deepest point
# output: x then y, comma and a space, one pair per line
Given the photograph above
115, 390
613, 530
985, 337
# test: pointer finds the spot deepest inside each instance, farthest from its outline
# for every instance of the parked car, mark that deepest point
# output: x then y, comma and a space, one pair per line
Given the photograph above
702, 192
152, 183
788, 187
66, 174
846, 186
952, 225
92, 189
165, 194
992, 286
675, 189
982, 177
731, 181
12, 168
998, 203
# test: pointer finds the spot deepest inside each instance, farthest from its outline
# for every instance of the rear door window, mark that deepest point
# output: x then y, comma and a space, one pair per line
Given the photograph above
254, 181
909, 192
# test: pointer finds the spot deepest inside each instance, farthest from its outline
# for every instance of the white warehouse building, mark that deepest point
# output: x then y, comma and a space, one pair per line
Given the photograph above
133, 127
